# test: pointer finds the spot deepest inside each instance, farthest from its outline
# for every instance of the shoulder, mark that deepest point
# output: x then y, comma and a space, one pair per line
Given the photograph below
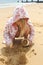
9, 22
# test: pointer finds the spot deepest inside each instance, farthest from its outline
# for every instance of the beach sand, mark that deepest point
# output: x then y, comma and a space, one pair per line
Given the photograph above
20, 55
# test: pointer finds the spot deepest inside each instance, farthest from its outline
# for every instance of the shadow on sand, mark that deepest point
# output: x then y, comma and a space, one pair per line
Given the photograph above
16, 55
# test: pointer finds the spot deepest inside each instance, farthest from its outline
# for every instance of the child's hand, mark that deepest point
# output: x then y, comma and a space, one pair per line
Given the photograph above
3, 42
30, 42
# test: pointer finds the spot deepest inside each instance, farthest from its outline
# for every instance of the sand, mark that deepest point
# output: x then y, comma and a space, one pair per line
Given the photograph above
20, 55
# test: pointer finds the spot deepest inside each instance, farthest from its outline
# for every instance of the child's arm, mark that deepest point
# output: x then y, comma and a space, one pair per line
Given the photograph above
31, 32
9, 34
6, 35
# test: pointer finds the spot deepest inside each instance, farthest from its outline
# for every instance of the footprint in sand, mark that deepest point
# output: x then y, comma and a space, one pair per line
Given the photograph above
33, 50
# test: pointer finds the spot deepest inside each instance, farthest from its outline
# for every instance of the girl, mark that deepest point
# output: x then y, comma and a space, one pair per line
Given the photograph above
19, 25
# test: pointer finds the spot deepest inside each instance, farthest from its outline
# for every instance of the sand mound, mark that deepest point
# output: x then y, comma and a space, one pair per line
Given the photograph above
14, 56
